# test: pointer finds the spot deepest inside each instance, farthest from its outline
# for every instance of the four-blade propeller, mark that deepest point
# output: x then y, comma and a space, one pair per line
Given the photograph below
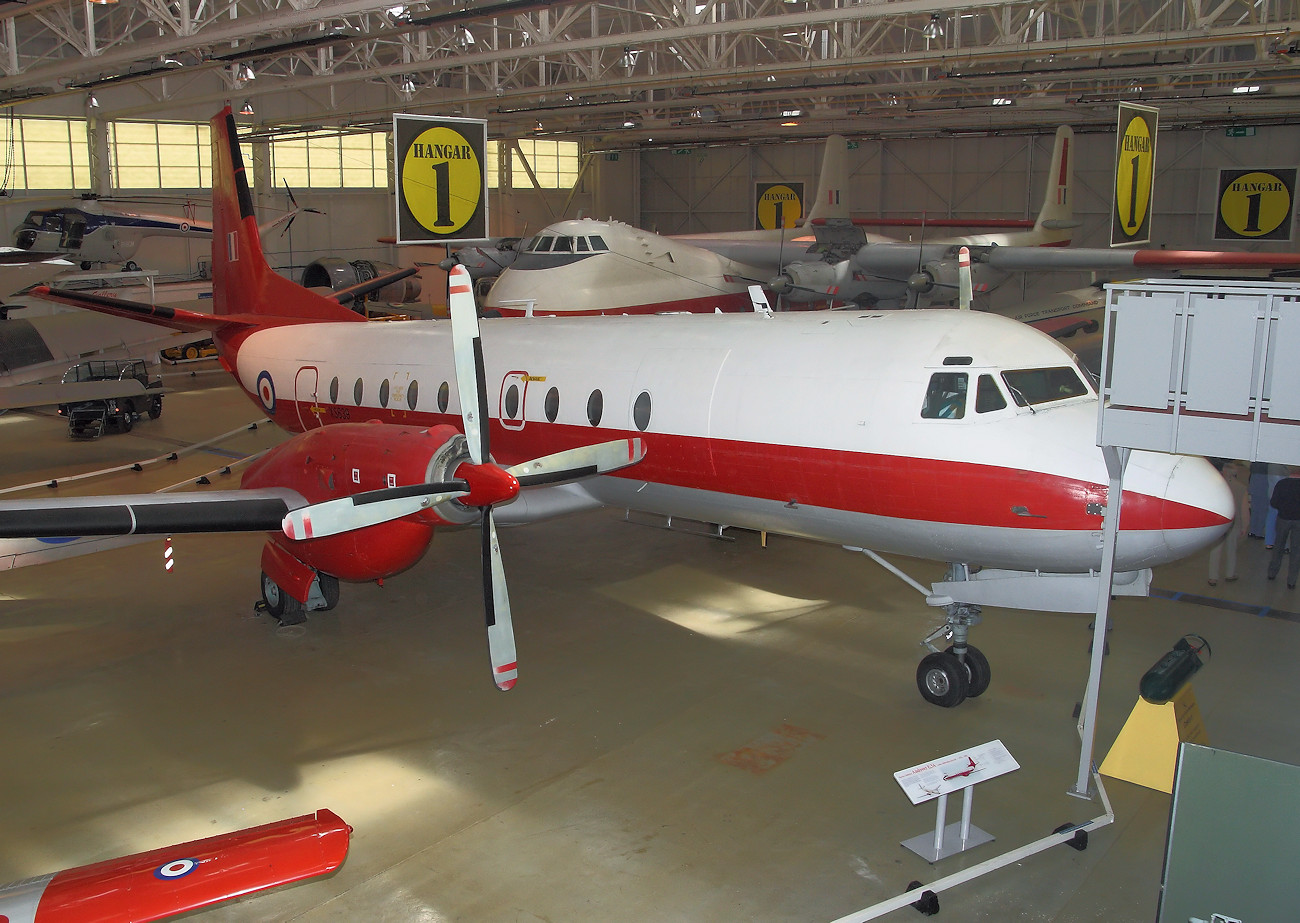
478, 482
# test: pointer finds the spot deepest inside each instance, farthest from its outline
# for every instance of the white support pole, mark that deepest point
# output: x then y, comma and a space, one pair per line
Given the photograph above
967, 801
941, 821
1116, 461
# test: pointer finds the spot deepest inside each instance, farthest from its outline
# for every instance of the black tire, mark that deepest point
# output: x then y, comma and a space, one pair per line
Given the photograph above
942, 680
329, 588
978, 671
155, 408
191, 352
273, 596
125, 422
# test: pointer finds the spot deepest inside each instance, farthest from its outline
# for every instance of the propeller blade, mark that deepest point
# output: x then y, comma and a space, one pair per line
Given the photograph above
583, 462
963, 279
369, 508
496, 603
468, 348
758, 302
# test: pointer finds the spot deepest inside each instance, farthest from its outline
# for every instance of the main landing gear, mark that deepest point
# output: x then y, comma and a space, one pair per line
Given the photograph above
276, 601
948, 677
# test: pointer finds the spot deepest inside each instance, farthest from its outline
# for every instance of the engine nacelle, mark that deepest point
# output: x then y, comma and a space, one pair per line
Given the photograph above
350, 458
809, 281
336, 274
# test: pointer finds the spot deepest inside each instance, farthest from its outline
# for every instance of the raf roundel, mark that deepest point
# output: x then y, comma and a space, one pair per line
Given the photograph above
178, 868
266, 392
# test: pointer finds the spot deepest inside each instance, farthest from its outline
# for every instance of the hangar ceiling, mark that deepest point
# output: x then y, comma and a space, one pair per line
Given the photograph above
617, 73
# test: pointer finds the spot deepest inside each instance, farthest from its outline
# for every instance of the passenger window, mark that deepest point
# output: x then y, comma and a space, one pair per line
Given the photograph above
383, 393
334, 390
945, 399
357, 391
988, 396
444, 395
552, 404
512, 402
595, 407
641, 411
412, 392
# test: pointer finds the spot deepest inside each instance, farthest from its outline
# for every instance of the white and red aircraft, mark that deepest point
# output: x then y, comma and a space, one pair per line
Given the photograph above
943, 434
586, 266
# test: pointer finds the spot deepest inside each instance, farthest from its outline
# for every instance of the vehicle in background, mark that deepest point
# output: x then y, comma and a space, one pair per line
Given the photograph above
136, 395
203, 349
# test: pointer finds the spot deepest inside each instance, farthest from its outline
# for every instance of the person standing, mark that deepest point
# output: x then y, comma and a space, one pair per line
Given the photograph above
1286, 500
1224, 554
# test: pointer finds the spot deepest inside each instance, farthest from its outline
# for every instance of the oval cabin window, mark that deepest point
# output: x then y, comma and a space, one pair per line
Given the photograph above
595, 407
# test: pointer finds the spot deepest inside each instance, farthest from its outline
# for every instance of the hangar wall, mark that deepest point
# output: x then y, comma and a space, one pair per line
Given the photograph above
712, 189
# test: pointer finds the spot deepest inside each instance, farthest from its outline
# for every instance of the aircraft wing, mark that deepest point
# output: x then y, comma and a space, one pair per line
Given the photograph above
1017, 259
54, 392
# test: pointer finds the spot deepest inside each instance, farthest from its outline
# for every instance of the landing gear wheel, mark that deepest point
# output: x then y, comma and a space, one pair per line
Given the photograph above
978, 671
329, 588
273, 596
125, 422
942, 679
155, 408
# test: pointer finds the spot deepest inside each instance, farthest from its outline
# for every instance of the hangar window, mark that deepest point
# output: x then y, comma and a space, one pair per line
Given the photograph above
595, 407
641, 411
444, 394
334, 390
46, 153
945, 398
329, 159
411, 391
1038, 386
357, 391
164, 155
988, 396
383, 393
552, 405
554, 163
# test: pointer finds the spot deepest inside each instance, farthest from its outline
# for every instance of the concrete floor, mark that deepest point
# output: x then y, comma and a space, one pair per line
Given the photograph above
702, 730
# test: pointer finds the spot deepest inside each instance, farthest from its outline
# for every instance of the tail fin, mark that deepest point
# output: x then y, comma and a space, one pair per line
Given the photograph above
242, 282
1057, 213
833, 185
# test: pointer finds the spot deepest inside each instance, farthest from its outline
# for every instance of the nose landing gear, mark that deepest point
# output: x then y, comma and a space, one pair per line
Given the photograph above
948, 677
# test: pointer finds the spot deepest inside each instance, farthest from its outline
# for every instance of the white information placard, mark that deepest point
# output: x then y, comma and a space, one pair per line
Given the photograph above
955, 772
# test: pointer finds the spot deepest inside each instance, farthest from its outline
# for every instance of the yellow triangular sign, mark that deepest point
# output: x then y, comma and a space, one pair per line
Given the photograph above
1146, 749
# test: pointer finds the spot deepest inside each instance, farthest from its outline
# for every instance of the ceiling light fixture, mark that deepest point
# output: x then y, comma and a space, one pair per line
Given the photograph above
92, 102
247, 108
933, 29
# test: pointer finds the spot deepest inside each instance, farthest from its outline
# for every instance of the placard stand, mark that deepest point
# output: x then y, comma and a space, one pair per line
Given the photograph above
952, 839
939, 778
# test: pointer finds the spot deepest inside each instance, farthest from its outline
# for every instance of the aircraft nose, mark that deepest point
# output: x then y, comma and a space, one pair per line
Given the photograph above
1197, 508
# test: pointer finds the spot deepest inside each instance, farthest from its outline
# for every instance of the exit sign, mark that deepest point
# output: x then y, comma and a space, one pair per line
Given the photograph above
611, 156
1240, 131
681, 150
852, 145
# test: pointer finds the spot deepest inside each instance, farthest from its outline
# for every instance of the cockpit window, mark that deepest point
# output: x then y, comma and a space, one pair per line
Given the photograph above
543, 244
583, 245
1038, 386
988, 396
945, 398
598, 243
563, 245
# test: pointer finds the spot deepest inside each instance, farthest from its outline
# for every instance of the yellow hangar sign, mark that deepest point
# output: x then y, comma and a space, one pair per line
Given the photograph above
1255, 204
1135, 160
441, 187
778, 205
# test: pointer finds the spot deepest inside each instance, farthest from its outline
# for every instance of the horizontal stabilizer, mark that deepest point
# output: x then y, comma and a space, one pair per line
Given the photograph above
160, 314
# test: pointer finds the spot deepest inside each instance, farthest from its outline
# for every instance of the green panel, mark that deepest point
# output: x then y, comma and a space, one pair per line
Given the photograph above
1233, 848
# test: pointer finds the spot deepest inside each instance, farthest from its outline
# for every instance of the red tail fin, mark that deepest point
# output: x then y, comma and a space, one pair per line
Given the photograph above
242, 282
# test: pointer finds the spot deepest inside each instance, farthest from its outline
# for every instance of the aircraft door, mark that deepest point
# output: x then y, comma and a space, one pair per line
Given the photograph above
305, 385
514, 389
73, 233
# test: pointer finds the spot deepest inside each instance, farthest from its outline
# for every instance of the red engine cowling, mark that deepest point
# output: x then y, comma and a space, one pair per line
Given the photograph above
349, 458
